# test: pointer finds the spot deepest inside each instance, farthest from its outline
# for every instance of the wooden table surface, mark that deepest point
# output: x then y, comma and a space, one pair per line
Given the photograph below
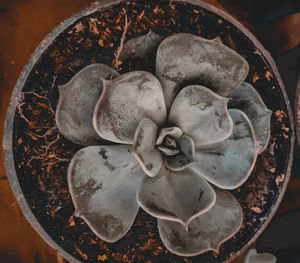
24, 24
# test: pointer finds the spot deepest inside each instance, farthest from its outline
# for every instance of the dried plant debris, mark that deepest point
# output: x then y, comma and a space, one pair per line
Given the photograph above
42, 154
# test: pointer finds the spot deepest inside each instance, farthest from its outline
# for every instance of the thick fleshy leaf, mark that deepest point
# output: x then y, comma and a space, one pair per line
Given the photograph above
142, 47
254, 257
206, 232
176, 196
186, 154
103, 182
201, 114
167, 150
74, 113
248, 100
173, 132
184, 59
143, 147
228, 164
124, 102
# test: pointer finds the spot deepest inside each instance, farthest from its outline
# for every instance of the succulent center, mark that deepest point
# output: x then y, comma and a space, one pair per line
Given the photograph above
169, 146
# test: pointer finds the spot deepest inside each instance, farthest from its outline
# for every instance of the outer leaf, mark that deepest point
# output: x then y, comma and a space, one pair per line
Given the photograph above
248, 100
254, 257
77, 101
103, 181
142, 48
206, 232
184, 59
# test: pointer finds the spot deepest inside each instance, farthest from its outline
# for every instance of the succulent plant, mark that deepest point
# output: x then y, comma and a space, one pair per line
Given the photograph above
173, 143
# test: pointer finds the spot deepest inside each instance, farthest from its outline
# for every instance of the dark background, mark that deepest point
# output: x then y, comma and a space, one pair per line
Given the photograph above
25, 23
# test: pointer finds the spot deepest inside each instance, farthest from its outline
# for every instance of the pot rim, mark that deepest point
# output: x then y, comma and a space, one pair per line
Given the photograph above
47, 41
297, 111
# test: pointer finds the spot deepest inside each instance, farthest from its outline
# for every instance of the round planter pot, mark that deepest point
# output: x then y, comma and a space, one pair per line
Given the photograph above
37, 155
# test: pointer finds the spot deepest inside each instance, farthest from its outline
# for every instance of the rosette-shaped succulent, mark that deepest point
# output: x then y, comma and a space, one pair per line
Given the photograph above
180, 140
